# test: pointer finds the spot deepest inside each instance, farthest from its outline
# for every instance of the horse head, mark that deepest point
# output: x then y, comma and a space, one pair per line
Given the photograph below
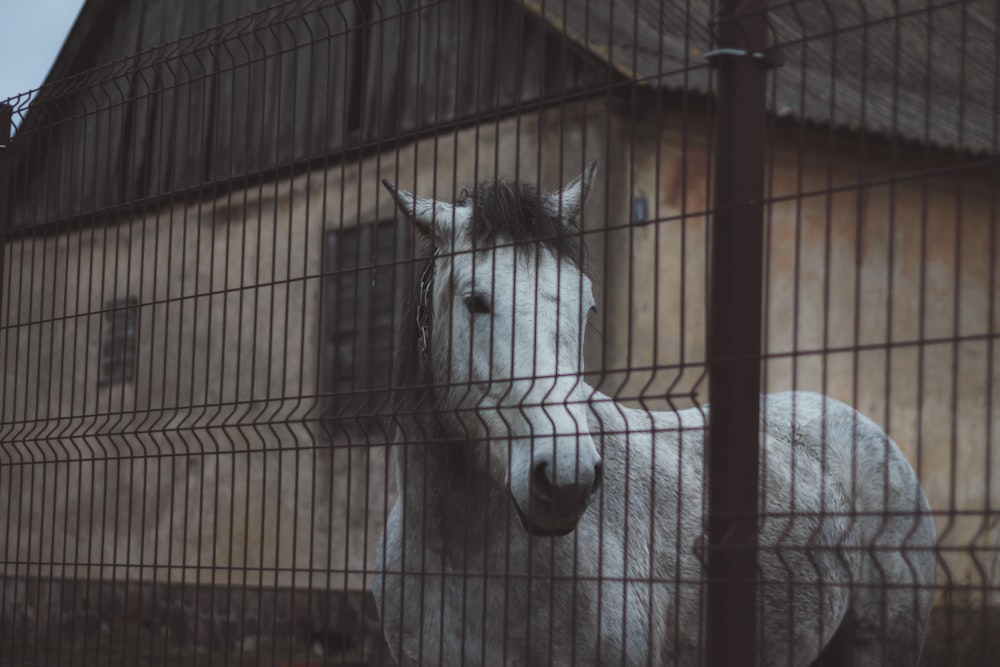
502, 316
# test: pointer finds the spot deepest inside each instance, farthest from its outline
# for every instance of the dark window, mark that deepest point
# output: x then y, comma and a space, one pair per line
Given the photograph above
121, 318
364, 277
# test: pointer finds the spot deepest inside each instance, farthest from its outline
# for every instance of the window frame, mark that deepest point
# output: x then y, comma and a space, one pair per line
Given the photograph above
119, 341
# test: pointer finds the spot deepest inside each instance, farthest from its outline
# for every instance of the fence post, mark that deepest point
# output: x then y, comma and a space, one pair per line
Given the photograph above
6, 119
734, 335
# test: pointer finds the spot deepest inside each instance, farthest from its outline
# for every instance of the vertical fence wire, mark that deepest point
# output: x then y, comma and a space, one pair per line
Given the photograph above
6, 126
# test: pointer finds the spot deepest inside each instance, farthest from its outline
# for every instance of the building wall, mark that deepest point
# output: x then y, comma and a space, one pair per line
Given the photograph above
212, 465
892, 272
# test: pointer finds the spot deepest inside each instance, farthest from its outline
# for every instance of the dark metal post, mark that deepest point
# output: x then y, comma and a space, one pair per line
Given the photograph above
734, 336
6, 119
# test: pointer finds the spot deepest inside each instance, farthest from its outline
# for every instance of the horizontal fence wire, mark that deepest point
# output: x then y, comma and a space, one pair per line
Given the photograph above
350, 332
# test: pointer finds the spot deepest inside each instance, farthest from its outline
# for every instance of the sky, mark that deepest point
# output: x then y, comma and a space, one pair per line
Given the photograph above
33, 32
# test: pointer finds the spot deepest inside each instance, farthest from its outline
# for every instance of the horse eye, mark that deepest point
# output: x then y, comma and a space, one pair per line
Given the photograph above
477, 305
592, 311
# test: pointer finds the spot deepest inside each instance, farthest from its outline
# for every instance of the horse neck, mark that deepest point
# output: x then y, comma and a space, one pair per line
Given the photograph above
442, 492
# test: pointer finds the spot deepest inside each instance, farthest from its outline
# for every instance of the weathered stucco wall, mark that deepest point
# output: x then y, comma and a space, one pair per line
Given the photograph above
211, 465
878, 294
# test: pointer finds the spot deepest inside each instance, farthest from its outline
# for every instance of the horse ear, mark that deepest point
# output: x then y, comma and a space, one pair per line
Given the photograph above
432, 217
568, 202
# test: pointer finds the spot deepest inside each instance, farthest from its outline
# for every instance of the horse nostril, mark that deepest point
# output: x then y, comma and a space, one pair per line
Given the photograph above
598, 475
540, 482
544, 488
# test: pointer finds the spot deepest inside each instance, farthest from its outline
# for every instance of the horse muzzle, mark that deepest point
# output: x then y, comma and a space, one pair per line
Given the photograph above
555, 506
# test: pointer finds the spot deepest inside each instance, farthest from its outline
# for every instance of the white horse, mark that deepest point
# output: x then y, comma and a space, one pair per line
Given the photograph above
540, 523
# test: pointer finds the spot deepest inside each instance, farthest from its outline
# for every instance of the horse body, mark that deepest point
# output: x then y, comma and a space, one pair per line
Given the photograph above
470, 573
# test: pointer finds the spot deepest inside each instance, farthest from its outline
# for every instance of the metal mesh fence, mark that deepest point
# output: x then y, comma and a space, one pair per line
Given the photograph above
259, 407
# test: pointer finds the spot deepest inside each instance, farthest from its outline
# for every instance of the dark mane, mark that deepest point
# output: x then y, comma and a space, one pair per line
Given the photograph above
409, 376
505, 212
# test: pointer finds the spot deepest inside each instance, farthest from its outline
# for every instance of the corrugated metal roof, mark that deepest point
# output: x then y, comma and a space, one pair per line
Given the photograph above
922, 70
